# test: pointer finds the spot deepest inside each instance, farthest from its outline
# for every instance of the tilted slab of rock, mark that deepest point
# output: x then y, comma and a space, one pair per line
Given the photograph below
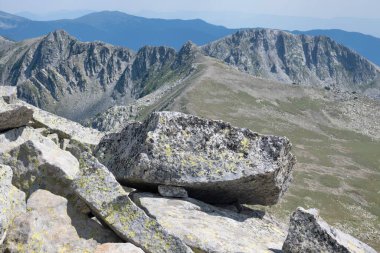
52, 224
212, 160
108, 200
66, 129
309, 233
37, 162
12, 201
211, 229
13, 116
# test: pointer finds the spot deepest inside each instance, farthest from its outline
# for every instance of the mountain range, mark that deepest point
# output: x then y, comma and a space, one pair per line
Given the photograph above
134, 32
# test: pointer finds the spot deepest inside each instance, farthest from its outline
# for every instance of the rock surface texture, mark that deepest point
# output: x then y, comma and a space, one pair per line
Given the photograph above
309, 233
212, 160
13, 116
108, 200
211, 229
172, 191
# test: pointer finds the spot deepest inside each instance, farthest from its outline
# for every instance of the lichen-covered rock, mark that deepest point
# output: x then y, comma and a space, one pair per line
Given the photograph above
108, 200
12, 201
309, 233
212, 160
13, 116
211, 229
37, 162
52, 224
172, 191
118, 248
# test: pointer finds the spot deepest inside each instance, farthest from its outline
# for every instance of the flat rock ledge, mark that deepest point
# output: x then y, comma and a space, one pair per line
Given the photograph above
310, 233
214, 161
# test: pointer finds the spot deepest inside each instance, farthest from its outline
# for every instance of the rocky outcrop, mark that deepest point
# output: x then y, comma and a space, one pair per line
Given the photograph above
13, 116
300, 59
309, 233
12, 201
8, 94
211, 229
80, 79
212, 160
108, 200
172, 191
51, 224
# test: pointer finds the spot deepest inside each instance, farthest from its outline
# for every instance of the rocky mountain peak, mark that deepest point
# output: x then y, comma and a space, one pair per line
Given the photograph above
300, 59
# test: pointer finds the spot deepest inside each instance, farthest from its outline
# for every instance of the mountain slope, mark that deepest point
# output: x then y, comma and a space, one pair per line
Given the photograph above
336, 137
117, 28
77, 79
366, 45
300, 59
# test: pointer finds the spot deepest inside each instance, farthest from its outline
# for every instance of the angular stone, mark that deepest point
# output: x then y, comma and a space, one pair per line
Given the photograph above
310, 233
118, 248
212, 160
37, 162
8, 94
110, 203
13, 116
52, 224
172, 191
206, 228
12, 201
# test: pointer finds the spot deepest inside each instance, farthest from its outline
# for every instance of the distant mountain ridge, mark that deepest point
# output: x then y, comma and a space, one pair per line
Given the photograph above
117, 28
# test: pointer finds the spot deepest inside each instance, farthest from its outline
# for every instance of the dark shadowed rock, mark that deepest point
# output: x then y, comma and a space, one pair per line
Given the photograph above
212, 160
13, 116
108, 200
172, 191
309, 233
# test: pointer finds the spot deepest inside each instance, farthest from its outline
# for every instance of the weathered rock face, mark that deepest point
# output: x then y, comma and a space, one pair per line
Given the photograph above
8, 94
118, 248
212, 160
309, 233
37, 162
12, 201
51, 224
279, 55
13, 116
210, 229
108, 200
78, 80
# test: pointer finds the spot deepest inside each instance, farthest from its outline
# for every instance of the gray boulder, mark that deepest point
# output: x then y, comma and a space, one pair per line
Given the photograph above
309, 233
13, 116
8, 94
52, 224
172, 191
212, 160
108, 200
207, 228
12, 201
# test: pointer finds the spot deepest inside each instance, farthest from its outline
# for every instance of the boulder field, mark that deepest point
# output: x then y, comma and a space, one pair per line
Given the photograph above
67, 188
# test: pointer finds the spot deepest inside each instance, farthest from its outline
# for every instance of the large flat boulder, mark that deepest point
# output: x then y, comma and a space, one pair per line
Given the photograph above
211, 229
13, 116
212, 160
310, 233
110, 203
12, 201
52, 224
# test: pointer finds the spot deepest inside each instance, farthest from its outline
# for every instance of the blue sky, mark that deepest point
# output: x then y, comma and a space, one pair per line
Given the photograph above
353, 15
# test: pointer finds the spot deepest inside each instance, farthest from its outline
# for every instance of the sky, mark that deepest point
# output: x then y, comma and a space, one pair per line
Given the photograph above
355, 15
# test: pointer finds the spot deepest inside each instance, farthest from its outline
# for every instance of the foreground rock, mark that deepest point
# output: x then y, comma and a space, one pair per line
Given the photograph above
211, 229
108, 200
118, 248
12, 201
13, 116
212, 160
51, 224
37, 162
309, 233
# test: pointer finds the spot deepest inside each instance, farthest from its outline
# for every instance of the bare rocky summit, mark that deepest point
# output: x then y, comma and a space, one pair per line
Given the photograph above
300, 59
